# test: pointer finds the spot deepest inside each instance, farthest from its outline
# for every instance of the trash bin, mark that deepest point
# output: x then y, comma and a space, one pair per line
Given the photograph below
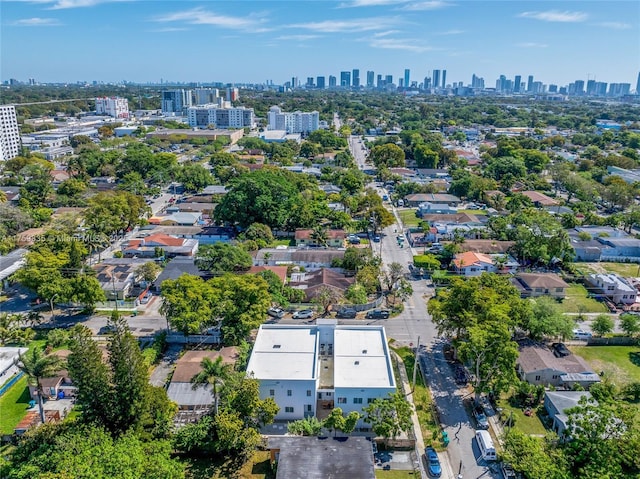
32, 404
445, 438
134, 313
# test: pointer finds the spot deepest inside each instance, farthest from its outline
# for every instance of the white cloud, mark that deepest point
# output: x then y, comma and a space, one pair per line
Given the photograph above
450, 32
200, 16
369, 3
358, 25
169, 29
614, 25
396, 44
385, 33
300, 38
64, 4
36, 22
556, 16
532, 45
430, 5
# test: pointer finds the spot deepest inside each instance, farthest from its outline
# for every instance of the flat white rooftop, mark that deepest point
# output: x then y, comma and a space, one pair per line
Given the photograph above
285, 352
361, 358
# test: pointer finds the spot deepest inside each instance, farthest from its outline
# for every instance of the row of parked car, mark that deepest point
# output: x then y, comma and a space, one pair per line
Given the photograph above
346, 313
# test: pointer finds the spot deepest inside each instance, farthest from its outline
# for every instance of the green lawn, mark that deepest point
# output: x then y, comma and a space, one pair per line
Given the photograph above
623, 269
283, 242
409, 218
13, 406
577, 298
526, 424
380, 474
622, 362
258, 467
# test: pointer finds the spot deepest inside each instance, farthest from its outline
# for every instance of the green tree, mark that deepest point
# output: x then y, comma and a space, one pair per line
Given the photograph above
534, 457
309, 426
356, 294
112, 211
389, 416
36, 366
148, 272
326, 297
223, 258
603, 324
194, 177
213, 373
630, 324
258, 231
388, 155
547, 319
188, 303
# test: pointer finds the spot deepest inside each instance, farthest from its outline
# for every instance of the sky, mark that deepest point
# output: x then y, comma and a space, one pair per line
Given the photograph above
237, 41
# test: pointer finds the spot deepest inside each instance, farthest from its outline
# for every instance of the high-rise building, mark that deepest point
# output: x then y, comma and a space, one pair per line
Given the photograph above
233, 94
9, 133
370, 79
388, 81
176, 101
204, 96
619, 89
444, 78
516, 84
638, 85
112, 106
355, 79
235, 117
333, 81
345, 79
579, 87
435, 79
407, 76
501, 84
379, 82
530, 84
309, 83
320, 83
553, 88
295, 122
426, 84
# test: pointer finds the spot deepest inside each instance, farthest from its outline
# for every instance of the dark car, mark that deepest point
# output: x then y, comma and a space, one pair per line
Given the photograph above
433, 463
347, 313
481, 417
560, 350
377, 314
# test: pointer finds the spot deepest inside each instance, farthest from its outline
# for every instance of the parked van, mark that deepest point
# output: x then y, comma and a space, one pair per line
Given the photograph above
581, 335
485, 444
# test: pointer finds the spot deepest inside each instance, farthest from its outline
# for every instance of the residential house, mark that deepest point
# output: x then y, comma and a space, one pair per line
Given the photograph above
428, 208
176, 268
418, 238
10, 263
330, 189
457, 218
117, 276
474, 264
312, 457
57, 386
59, 175
178, 219
532, 285
539, 199
415, 199
449, 231
432, 173
486, 246
314, 282
310, 369
280, 271
8, 356
614, 288
214, 190
556, 403
305, 237
310, 259
172, 246
405, 173
12, 193
538, 365
620, 249
181, 390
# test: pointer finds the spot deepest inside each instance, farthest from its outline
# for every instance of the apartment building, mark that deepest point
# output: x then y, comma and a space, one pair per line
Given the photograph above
9, 133
230, 117
115, 107
310, 369
294, 122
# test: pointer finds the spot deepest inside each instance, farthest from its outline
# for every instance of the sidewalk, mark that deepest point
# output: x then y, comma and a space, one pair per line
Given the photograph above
447, 470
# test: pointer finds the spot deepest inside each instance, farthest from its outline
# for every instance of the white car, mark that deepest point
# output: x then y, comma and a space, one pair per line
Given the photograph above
581, 334
303, 314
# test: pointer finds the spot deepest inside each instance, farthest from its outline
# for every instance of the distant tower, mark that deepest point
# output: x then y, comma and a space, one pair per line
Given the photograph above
345, 79
407, 75
638, 85
9, 133
516, 84
444, 78
320, 82
355, 79
530, 84
370, 79
435, 79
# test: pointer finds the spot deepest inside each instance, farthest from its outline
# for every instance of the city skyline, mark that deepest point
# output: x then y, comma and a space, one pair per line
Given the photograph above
146, 41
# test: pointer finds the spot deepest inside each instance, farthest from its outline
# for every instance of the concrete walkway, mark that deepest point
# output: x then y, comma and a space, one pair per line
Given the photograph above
162, 371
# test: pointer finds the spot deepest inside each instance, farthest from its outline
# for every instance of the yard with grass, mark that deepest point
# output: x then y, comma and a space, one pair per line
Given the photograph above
259, 467
531, 425
422, 400
13, 406
622, 362
626, 270
380, 474
409, 218
577, 301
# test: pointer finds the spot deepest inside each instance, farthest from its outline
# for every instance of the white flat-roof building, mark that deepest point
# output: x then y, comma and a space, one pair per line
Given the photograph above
222, 117
114, 107
9, 133
295, 122
310, 369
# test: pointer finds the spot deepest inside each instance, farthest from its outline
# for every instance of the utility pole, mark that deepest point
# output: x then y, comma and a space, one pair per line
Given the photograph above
115, 295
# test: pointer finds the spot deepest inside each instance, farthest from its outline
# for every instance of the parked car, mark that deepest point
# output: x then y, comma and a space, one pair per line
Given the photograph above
275, 312
376, 239
377, 314
433, 463
560, 350
353, 239
303, 314
146, 298
507, 471
480, 417
581, 334
347, 313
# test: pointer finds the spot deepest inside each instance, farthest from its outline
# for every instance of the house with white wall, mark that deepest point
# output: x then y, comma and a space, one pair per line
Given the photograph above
614, 288
310, 369
474, 264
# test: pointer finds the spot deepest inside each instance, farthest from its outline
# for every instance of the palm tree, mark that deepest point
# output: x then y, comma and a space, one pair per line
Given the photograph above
36, 365
319, 235
215, 373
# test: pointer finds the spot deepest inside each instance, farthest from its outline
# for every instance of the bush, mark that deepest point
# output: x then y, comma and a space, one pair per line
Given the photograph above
57, 337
